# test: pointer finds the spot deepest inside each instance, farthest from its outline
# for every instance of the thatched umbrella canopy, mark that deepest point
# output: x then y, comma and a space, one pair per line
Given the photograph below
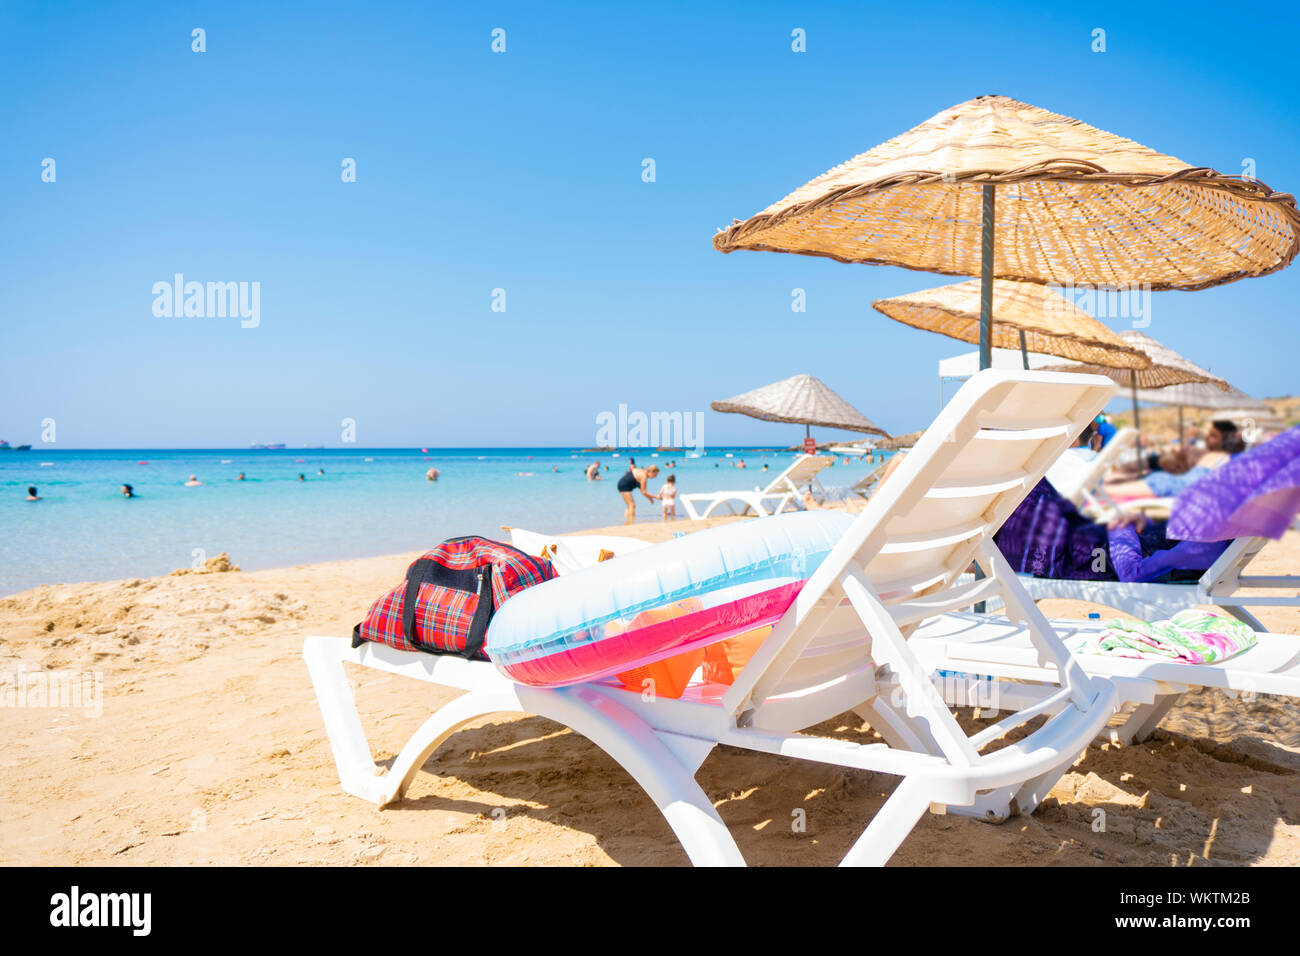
1074, 205
1204, 395
1027, 316
1167, 368
1233, 404
801, 400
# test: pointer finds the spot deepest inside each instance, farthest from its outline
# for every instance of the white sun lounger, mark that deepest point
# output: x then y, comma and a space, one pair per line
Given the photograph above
995, 646
842, 645
1224, 584
784, 492
569, 553
1082, 480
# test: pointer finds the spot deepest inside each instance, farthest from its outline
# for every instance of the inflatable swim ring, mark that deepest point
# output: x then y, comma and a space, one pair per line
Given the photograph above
609, 618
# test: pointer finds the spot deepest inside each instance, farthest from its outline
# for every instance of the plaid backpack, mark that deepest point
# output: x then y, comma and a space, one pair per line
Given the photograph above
441, 607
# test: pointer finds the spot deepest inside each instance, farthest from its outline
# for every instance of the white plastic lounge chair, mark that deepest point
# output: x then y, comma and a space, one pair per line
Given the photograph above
843, 644
862, 488
1223, 585
1081, 480
995, 646
569, 553
784, 492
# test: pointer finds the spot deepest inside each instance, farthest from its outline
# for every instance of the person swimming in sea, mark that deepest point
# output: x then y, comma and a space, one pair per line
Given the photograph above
128, 491
301, 476
31, 493
241, 477
632, 480
193, 482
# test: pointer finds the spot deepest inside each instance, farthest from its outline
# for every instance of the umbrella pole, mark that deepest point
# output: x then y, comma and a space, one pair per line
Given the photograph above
1137, 422
1024, 352
986, 309
986, 305
986, 279
1182, 432
807, 433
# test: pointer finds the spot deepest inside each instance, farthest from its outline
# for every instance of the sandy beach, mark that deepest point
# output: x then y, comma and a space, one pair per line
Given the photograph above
210, 750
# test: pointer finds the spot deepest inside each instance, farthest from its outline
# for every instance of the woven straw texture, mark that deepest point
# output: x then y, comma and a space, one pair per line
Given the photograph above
1167, 366
1074, 204
1203, 395
1052, 325
801, 400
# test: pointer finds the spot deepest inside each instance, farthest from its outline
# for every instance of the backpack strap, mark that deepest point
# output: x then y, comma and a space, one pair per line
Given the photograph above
475, 580
482, 615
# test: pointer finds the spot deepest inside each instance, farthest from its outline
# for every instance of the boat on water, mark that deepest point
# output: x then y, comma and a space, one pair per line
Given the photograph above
5, 446
271, 446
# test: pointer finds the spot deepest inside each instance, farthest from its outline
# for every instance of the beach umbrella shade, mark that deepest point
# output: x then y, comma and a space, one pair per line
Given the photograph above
1232, 404
800, 400
1001, 189
1205, 396
1167, 368
1027, 316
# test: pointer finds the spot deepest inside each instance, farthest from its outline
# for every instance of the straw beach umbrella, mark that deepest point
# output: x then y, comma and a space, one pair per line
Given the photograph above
997, 188
1167, 368
1204, 396
800, 400
1027, 316
1233, 404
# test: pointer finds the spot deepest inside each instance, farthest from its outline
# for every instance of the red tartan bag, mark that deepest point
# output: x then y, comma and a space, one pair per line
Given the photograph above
449, 596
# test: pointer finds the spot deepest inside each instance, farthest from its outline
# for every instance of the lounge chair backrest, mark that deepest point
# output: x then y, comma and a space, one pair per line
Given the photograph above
924, 525
1077, 479
802, 470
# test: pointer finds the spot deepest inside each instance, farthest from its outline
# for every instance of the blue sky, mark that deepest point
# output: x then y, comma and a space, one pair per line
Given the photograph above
522, 171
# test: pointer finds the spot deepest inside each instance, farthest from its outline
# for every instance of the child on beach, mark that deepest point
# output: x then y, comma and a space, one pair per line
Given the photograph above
668, 495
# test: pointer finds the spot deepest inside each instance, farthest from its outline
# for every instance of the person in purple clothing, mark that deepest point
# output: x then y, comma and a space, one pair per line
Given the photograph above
1047, 537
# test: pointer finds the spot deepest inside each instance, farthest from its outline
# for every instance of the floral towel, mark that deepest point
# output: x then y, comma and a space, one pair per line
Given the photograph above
1193, 636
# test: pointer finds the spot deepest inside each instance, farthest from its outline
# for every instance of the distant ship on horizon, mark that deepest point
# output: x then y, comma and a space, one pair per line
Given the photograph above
272, 446
5, 446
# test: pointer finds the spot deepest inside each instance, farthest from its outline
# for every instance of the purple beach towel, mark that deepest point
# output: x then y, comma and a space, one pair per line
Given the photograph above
1256, 494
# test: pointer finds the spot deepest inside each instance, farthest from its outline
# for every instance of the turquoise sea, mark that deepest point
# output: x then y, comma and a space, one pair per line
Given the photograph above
367, 502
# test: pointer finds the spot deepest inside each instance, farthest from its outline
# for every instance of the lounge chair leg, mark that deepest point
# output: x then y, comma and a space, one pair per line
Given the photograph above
440, 725
1035, 791
898, 730
613, 728
347, 738
996, 806
1142, 723
1241, 614
659, 771
891, 825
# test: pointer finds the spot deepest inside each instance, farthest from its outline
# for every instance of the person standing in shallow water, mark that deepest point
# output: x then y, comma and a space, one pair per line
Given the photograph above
635, 479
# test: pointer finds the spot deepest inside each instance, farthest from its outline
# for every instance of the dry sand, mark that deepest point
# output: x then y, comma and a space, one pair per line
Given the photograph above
210, 749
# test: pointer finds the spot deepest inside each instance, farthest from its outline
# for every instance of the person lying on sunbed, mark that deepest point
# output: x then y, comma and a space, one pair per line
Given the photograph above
1176, 470
1047, 537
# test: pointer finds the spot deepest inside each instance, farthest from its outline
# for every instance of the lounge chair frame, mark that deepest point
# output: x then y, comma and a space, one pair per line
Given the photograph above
783, 493
842, 645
